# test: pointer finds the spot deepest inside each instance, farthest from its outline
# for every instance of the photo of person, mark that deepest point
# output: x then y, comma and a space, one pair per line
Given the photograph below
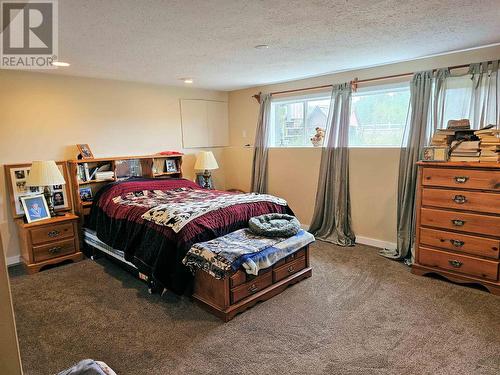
171, 166
57, 187
21, 187
34, 189
86, 194
35, 208
58, 198
85, 152
20, 174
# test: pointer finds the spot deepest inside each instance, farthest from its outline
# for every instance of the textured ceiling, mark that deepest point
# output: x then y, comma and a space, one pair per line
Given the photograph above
213, 41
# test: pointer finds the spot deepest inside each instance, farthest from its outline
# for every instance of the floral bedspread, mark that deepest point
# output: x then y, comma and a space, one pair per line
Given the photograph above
176, 208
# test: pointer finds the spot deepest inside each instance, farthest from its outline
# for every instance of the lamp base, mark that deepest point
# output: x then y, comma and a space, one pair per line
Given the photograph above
206, 179
47, 192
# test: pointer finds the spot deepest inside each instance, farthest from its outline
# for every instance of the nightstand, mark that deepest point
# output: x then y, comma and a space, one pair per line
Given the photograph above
49, 241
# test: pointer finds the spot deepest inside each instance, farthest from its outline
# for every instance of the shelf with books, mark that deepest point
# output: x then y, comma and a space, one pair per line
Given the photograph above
96, 181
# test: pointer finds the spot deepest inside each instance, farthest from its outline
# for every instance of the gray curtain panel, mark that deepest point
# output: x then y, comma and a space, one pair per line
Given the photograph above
416, 136
261, 147
484, 104
332, 213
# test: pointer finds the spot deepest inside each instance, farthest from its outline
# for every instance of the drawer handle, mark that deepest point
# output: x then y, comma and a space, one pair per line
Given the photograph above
457, 243
53, 233
460, 199
253, 288
458, 223
455, 263
55, 250
461, 179
291, 269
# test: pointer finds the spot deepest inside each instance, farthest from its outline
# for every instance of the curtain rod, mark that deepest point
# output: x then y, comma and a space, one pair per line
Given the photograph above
354, 83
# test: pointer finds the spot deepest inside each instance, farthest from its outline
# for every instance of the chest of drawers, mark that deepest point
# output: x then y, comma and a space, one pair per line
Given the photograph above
458, 222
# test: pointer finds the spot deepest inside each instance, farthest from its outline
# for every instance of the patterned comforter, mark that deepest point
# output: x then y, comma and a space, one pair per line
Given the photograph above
224, 255
120, 218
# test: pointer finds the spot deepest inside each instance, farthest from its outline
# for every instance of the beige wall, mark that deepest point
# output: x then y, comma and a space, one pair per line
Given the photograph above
293, 172
43, 116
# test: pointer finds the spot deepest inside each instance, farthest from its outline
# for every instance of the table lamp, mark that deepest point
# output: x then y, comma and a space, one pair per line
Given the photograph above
46, 174
205, 161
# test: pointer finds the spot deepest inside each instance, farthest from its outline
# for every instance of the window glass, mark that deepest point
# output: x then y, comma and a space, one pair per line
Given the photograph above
377, 119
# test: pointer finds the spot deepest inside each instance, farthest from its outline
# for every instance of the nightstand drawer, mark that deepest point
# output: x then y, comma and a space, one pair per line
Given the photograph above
53, 250
51, 233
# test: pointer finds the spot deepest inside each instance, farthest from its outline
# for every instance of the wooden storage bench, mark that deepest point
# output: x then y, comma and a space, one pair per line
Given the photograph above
234, 294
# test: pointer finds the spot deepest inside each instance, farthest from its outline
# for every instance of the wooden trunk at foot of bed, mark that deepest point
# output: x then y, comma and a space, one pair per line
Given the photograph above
234, 294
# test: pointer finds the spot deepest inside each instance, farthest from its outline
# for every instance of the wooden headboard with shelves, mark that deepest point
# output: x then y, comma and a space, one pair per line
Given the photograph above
84, 173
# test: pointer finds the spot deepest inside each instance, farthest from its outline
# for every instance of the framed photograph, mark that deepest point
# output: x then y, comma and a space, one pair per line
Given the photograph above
86, 194
85, 151
16, 175
171, 166
35, 207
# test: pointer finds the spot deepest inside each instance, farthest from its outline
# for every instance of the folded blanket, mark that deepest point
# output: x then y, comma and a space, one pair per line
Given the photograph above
89, 367
224, 255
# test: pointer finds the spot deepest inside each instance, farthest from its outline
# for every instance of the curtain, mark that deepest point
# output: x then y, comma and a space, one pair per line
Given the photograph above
416, 136
261, 147
484, 104
332, 213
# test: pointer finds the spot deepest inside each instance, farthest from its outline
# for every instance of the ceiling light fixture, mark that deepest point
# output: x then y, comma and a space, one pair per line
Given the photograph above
186, 80
60, 63
261, 46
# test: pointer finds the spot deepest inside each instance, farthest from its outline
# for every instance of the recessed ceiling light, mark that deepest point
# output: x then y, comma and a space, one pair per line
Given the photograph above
186, 80
60, 63
261, 46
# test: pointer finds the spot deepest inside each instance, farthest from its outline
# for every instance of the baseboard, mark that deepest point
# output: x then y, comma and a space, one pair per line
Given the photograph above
11, 261
375, 243
366, 240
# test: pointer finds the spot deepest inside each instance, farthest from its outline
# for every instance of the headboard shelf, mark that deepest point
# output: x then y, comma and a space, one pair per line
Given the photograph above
83, 174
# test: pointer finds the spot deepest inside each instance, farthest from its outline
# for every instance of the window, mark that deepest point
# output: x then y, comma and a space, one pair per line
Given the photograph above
294, 121
378, 117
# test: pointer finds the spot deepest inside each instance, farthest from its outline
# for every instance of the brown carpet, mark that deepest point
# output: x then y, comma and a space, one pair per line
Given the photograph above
358, 314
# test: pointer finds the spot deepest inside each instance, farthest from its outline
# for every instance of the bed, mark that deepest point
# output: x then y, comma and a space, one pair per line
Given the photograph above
155, 222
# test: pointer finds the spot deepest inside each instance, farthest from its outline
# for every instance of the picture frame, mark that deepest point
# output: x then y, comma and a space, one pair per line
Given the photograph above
86, 194
16, 175
35, 208
171, 166
85, 152
200, 180
435, 153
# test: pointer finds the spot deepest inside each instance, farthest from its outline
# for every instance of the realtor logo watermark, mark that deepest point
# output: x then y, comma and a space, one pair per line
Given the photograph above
29, 38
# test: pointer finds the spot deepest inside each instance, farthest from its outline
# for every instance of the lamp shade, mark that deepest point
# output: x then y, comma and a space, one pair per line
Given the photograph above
45, 173
206, 161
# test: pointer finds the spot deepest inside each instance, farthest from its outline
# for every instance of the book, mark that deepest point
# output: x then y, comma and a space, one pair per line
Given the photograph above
464, 158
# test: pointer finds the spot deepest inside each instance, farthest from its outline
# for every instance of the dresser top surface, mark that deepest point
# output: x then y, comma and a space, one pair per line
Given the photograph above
454, 164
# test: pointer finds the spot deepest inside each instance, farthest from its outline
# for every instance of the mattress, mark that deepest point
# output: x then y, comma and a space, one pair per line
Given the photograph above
90, 238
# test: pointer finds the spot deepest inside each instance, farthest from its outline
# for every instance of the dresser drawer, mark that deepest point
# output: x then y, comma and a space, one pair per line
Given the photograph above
52, 233
288, 269
237, 278
460, 242
486, 269
462, 200
53, 250
460, 221
461, 178
253, 286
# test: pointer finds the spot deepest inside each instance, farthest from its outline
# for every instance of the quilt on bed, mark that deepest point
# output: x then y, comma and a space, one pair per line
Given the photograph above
224, 255
119, 213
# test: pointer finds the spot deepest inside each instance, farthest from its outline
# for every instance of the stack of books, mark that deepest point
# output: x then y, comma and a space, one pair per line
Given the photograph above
465, 151
108, 175
490, 144
463, 124
442, 137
